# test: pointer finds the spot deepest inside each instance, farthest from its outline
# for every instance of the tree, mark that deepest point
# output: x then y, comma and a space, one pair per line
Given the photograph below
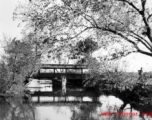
4, 77
84, 49
20, 63
39, 18
118, 19
13, 108
126, 19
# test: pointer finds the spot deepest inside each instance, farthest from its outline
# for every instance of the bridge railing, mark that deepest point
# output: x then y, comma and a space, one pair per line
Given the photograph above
62, 66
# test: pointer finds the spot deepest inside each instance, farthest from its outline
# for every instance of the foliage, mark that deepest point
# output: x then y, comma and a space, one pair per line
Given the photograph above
4, 77
14, 109
83, 50
87, 46
119, 20
108, 75
20, 64
123, 19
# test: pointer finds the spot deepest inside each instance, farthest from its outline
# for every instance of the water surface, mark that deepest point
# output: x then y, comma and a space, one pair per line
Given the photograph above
48, 107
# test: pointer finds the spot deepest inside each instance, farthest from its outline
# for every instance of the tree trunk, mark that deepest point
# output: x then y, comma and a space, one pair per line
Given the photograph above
123, 106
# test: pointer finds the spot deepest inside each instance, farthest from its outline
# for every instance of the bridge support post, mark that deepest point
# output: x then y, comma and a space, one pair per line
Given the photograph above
66, 72
81, 99
65, 98
38, 98
53, 98
54, 72
81, 73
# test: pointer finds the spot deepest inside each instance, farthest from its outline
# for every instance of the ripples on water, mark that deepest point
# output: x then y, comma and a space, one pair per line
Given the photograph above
17, 109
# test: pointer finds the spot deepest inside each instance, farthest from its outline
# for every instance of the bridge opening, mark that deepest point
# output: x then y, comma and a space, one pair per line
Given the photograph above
74, 75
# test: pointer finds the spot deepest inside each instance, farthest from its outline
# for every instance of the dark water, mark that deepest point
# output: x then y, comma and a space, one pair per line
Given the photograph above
15, 109
21, 109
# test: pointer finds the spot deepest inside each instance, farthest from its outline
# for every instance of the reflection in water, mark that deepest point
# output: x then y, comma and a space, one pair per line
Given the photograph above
37, 85
85, 112
59, 94
51, 112
14, 109
52, 105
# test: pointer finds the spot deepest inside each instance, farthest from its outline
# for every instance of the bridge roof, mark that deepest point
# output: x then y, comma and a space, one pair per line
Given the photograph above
63, 66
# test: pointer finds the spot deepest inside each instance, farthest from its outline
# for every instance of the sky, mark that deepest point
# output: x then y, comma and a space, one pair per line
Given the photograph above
7, 25
10, 28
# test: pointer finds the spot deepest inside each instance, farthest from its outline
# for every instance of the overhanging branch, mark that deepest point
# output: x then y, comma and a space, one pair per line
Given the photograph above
143, 42
142, 14
142, 39
120, 34
131, 4
144, 52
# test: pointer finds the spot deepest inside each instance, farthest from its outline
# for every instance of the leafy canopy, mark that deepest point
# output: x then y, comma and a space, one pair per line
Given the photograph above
123, 20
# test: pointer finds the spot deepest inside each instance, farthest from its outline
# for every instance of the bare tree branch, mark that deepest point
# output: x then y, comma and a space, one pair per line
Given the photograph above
144, 52
149, 17
143, 42
142, 13
131, 4
142, 39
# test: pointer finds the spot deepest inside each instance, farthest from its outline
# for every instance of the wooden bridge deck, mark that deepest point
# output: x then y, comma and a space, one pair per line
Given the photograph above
62, 66
53, 71
54, 75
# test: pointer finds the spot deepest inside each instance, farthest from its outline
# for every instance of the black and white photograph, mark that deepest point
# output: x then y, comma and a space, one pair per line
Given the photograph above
75, 59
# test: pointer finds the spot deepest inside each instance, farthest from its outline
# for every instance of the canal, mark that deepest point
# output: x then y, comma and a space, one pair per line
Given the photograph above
46, 103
